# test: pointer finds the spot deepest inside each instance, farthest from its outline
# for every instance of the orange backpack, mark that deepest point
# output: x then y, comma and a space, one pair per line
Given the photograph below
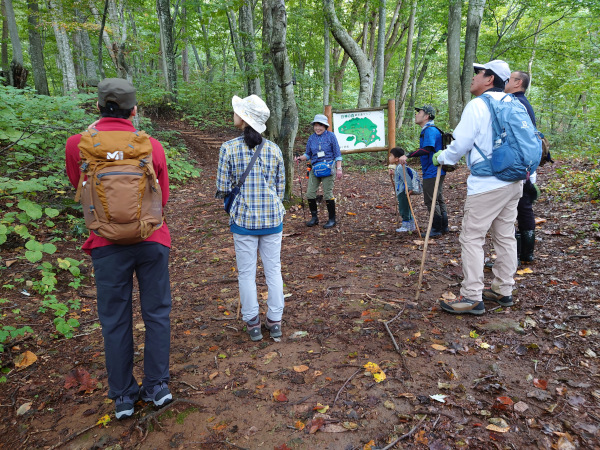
121, 198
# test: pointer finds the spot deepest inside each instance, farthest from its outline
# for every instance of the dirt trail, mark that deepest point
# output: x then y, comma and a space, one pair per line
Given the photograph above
529, 370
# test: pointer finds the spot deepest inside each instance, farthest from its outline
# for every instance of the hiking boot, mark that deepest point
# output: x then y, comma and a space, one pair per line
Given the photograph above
124, 406
502, 300
253, 329
527, 246
436, 227
159, 394
312, 206
274, 328
331, 210
445, 228
463, 306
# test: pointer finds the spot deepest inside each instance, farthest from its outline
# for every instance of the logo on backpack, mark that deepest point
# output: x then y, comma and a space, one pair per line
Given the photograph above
517, 146
114, 156
121, 198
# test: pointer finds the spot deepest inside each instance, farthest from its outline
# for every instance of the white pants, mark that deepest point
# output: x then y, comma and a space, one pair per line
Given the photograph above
269, 246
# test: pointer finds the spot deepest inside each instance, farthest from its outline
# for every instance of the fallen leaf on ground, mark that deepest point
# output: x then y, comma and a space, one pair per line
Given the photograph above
299, 425
269, 357
25, 359
542, 384
80, 377
280, 395
316, 277
439, 347
103, 421
521, 407
23, 408
438, 398
321, 408
315, 424
333, 428
497, 429
301, 368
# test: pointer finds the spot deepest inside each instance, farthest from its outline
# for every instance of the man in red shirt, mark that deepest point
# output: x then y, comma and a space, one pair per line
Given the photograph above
114, 266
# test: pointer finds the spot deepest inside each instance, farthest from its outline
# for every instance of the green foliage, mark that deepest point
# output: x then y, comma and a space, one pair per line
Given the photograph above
9, 332
575, 183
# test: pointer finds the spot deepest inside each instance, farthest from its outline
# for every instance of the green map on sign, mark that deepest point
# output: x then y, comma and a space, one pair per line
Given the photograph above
362, 129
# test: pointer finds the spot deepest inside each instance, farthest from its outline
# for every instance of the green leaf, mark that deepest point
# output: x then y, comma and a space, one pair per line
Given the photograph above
33, 210
2, 239
33, 256
63, 263
3, 229
22, 231
51, 212
34, 245
49, 248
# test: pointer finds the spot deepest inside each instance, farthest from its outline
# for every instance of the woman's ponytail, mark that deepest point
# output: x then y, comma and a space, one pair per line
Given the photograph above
251, 137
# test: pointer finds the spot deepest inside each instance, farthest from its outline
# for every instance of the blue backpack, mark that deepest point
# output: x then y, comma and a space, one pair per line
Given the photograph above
516, 144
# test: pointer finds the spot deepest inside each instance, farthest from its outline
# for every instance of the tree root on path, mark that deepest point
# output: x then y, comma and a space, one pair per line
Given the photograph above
386, 325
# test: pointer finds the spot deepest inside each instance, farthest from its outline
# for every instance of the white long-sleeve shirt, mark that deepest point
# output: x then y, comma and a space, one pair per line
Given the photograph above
475, 127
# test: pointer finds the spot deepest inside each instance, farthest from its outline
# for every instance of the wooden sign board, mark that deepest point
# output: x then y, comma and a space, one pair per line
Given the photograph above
363, 130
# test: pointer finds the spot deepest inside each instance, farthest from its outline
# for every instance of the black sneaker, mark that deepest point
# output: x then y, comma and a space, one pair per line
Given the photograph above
502, 300
124, 406
463, 306
158, 394
274, 328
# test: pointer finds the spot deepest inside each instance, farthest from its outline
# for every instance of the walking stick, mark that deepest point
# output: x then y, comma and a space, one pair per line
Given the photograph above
409, 202
431, 214
395, 196
301, 193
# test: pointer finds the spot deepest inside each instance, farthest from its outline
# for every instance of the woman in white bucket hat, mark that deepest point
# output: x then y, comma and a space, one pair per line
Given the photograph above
256, 214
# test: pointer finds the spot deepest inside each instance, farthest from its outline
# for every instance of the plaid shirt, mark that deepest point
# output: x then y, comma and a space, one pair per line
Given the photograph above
259, 204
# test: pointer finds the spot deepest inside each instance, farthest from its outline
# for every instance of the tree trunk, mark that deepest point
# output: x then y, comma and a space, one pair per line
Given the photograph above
17, 74
379, 60
167, 45
455, 104
289, 117
474, 17
36, 50
363, 65
247, 38
4, 45
197, 58
406, 74
64, 49
235, 40
326, 52
413, 85
88, 66
273, 97
530, 63
185, 63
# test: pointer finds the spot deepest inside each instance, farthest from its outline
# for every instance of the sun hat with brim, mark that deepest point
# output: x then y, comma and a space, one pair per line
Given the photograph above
497, 66
322, 119
116, 90
429, 110
252, 110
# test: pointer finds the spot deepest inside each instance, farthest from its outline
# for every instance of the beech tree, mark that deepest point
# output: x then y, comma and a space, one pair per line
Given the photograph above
17, 74
36, 51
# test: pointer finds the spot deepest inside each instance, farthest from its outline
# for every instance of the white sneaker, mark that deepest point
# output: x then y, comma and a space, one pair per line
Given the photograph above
405, 228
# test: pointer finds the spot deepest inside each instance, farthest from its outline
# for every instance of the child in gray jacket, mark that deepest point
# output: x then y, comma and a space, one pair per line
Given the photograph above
414, 187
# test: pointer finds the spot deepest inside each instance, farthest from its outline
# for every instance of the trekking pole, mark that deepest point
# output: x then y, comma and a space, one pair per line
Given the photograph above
431, 214
409, 202
395, 196
301, 193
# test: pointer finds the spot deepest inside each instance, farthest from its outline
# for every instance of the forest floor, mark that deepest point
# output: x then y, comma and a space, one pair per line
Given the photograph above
519, 377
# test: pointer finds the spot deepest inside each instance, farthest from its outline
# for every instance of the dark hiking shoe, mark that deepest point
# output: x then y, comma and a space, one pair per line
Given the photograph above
253, 329
159, 394
124, 406
463, 306
274, 328
502, 300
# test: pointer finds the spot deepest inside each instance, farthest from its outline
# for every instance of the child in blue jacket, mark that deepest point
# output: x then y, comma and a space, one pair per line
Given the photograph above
414, 187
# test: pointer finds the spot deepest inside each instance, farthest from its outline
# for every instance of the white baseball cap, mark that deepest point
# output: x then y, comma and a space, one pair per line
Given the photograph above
498, 66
